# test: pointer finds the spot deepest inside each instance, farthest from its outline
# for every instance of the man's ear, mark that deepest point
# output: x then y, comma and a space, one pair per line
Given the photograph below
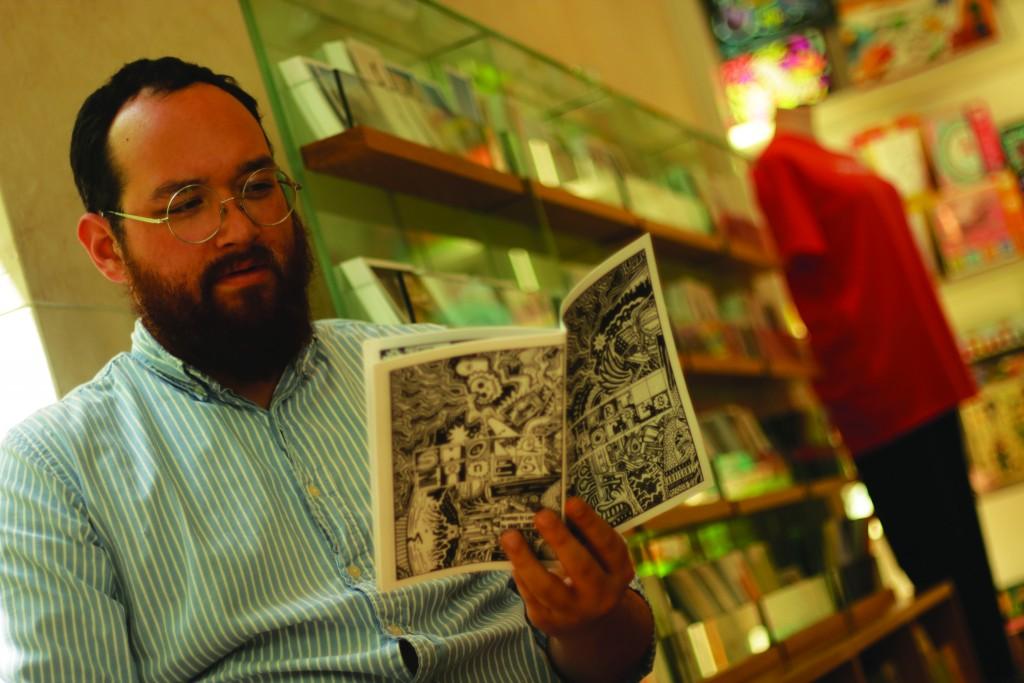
98, 239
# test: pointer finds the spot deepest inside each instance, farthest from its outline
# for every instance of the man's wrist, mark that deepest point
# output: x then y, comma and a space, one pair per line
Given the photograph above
611, 648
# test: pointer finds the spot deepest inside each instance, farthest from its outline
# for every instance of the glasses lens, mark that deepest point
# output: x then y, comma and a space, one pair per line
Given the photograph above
193, 213
268, 196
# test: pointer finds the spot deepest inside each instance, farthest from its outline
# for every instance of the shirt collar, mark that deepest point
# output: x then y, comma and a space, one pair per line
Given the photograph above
151, 353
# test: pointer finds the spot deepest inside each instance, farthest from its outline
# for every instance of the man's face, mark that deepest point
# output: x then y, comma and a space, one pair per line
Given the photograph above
234, 306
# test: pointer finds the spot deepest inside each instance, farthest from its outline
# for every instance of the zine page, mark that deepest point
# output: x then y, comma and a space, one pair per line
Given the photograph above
468, 440
633, 445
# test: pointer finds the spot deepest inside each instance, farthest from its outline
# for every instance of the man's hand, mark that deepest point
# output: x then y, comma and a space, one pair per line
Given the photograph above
598, 627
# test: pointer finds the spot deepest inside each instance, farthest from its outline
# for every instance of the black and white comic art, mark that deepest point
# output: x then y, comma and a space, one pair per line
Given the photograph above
473, 430
631, 446
476, 447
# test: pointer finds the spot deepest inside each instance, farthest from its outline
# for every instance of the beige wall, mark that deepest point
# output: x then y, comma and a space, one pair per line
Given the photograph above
656, 51
55, 53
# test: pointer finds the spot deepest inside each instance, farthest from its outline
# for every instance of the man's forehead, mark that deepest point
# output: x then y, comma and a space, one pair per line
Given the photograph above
183, 131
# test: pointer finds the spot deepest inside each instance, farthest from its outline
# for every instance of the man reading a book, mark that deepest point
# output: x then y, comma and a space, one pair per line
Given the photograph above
201, 509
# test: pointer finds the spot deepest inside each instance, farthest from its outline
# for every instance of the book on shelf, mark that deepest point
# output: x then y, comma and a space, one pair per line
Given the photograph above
472, 433
370, 66
315, 95
690, 596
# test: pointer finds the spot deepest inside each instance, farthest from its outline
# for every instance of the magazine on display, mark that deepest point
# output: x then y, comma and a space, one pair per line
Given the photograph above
473, 430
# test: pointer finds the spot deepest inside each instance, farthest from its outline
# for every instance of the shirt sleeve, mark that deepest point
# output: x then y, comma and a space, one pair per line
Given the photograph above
786, 202
59, 617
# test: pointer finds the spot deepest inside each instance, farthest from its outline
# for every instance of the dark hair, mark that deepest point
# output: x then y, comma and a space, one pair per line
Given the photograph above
99, 184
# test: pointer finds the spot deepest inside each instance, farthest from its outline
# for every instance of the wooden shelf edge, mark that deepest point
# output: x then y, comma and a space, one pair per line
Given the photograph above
685, 515
682, 239
813, 664
752, 255
792, 368
722, 365
825, 631
768, 501
754, 665
828, 487
610, 222
868, 609
373, 157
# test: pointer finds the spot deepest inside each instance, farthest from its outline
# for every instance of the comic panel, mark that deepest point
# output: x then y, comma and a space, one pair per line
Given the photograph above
631, 442
476, 446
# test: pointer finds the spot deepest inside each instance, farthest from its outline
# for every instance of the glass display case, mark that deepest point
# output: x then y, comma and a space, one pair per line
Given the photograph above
454, 176
425, 138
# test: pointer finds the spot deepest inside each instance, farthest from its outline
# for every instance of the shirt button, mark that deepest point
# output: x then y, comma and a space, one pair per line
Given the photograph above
354, 571
395, 630
313, 490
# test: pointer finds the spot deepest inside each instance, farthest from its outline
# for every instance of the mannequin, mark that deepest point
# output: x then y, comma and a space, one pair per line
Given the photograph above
891, 376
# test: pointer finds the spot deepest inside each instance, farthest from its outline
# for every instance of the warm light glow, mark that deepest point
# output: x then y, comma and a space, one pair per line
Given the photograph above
875, 530
758, 639
856, 501
750, 135
23, 369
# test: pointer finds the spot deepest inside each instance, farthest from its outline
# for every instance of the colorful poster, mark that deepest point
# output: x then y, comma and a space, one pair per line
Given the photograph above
887, 38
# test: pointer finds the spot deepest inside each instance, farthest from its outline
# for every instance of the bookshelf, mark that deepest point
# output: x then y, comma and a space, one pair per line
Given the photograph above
719, 510
379, 159
376, 194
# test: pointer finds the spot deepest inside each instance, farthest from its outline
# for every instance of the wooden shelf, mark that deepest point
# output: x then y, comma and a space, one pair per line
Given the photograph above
770, 501
786, 368
369, 156
723, 365
373, 157
811, 665
752, 255
584, 217
689, 515
682, 242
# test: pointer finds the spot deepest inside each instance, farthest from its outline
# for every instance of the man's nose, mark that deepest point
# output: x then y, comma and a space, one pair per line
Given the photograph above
236, 227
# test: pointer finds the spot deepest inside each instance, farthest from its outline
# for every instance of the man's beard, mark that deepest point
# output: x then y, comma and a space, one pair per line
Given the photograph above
252, 342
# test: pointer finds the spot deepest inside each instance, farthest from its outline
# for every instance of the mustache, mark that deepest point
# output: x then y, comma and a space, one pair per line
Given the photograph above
256, 256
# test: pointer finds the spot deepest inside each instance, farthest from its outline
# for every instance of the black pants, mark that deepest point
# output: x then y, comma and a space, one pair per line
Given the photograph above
922, 495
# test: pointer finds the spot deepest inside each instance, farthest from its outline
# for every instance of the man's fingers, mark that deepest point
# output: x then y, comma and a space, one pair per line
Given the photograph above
605, 543
584, 571
543, 586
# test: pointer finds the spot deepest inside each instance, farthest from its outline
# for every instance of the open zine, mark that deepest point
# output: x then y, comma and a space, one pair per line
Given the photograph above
473, 430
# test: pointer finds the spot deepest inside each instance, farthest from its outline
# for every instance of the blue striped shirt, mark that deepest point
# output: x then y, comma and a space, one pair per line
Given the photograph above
155, 526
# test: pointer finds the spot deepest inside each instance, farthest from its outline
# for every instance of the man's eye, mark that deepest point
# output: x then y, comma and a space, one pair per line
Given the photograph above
186, 205
259, 189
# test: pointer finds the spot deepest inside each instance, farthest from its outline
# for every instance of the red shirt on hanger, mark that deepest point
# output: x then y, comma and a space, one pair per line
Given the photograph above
888, 358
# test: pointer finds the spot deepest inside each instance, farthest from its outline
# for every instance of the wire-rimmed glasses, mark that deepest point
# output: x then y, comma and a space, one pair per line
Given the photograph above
195, 213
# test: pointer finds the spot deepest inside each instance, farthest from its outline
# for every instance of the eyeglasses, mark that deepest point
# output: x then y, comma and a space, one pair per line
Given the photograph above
195, 214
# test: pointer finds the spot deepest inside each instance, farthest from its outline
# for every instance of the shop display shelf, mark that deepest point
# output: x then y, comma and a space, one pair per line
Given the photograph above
705, 364
570, 214
752, 255
372, 157
690, 515
680, 242
792, 368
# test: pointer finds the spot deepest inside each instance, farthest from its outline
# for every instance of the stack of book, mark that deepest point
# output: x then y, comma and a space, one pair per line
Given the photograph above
745, 461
